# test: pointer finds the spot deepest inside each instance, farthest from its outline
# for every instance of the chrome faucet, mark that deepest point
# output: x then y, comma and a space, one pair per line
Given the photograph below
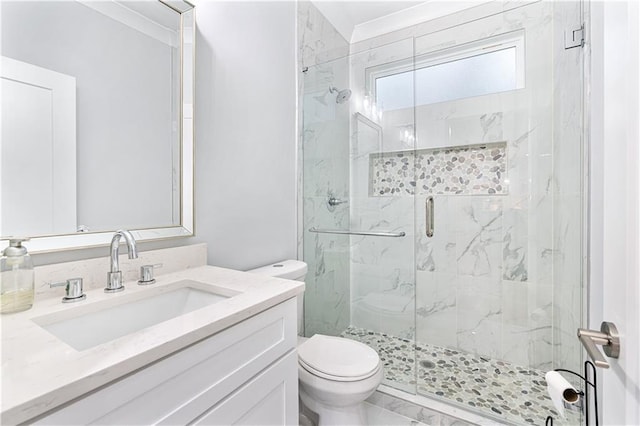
114, 278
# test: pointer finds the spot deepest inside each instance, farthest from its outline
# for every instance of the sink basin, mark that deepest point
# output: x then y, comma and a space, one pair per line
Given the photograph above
89, 329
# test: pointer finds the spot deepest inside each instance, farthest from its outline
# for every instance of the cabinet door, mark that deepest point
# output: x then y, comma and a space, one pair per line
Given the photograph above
179, 388
271, 398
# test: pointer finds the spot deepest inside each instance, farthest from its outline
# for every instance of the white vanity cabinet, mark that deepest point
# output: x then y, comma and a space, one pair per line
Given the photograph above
245, 374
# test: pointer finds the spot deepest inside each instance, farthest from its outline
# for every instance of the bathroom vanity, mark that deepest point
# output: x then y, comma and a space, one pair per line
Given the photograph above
214, 346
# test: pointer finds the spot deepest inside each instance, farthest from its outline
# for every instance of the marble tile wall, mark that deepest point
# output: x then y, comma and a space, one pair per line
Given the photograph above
382, 268
323, 154
491, 279
318, 41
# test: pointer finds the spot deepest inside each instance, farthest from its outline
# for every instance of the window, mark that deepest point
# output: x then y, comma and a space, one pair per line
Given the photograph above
487, 66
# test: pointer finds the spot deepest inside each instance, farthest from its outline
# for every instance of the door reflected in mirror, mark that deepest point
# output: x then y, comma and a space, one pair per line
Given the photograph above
96, 117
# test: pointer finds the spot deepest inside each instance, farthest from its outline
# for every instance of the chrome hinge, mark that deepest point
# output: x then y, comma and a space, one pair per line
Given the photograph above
574, 38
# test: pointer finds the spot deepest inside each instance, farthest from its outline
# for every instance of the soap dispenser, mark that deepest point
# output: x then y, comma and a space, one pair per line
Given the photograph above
16, 278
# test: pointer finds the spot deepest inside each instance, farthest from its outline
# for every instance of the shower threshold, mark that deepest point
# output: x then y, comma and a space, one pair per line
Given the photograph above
499, 389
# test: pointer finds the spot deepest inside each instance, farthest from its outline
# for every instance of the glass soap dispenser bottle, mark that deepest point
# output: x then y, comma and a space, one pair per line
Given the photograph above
16, 278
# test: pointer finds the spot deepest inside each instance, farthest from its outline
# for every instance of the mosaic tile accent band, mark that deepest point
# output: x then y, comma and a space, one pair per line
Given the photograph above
468, 170
500, 389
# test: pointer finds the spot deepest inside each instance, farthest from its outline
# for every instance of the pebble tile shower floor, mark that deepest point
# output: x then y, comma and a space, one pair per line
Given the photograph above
510, 392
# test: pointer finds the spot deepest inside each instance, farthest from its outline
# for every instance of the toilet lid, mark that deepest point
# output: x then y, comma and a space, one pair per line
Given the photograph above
338, 357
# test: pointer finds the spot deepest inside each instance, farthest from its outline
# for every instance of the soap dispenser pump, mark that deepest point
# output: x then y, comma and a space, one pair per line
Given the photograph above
16, 278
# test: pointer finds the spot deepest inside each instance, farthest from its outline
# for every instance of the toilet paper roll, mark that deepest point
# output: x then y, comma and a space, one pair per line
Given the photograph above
560, 391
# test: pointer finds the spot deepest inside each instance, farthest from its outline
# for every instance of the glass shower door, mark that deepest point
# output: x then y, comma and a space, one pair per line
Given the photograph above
382, 178
499, 148
325, 201
358, 165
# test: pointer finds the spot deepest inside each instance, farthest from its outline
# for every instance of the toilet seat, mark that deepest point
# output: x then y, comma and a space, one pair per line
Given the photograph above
338, 359
333, 378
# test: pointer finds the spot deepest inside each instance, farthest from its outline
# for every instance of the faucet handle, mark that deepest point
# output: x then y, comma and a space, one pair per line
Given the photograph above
73, 290
146, 274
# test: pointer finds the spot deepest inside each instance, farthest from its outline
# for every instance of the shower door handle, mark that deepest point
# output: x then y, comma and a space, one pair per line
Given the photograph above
429, 216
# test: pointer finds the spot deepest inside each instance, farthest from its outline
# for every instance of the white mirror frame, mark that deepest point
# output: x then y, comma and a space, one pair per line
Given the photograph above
53, 243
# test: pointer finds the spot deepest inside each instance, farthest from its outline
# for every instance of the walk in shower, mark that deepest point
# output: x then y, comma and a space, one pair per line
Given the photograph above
441, 200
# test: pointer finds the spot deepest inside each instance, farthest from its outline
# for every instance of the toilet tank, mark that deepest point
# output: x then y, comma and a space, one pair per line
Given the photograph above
289, 269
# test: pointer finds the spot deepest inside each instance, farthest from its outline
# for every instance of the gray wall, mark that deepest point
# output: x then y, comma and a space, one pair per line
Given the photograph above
245, 136
245, 132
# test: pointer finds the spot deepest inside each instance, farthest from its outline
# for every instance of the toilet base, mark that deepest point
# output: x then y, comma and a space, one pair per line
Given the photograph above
353, 415
303, 420
307, 417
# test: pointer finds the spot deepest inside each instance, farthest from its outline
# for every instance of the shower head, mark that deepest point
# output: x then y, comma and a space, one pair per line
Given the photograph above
343, 95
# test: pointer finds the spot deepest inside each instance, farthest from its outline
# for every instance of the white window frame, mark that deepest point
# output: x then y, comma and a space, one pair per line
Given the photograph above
513, 39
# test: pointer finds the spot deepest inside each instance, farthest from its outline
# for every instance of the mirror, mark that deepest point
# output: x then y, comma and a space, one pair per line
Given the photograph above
97, 121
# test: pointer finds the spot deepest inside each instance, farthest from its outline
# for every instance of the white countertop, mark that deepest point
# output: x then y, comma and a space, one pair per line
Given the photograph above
40, 372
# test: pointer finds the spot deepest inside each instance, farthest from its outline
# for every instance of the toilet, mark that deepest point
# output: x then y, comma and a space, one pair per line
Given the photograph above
335, 375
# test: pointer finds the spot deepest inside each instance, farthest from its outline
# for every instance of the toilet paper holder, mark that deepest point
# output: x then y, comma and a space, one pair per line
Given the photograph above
583, 396
608, 337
